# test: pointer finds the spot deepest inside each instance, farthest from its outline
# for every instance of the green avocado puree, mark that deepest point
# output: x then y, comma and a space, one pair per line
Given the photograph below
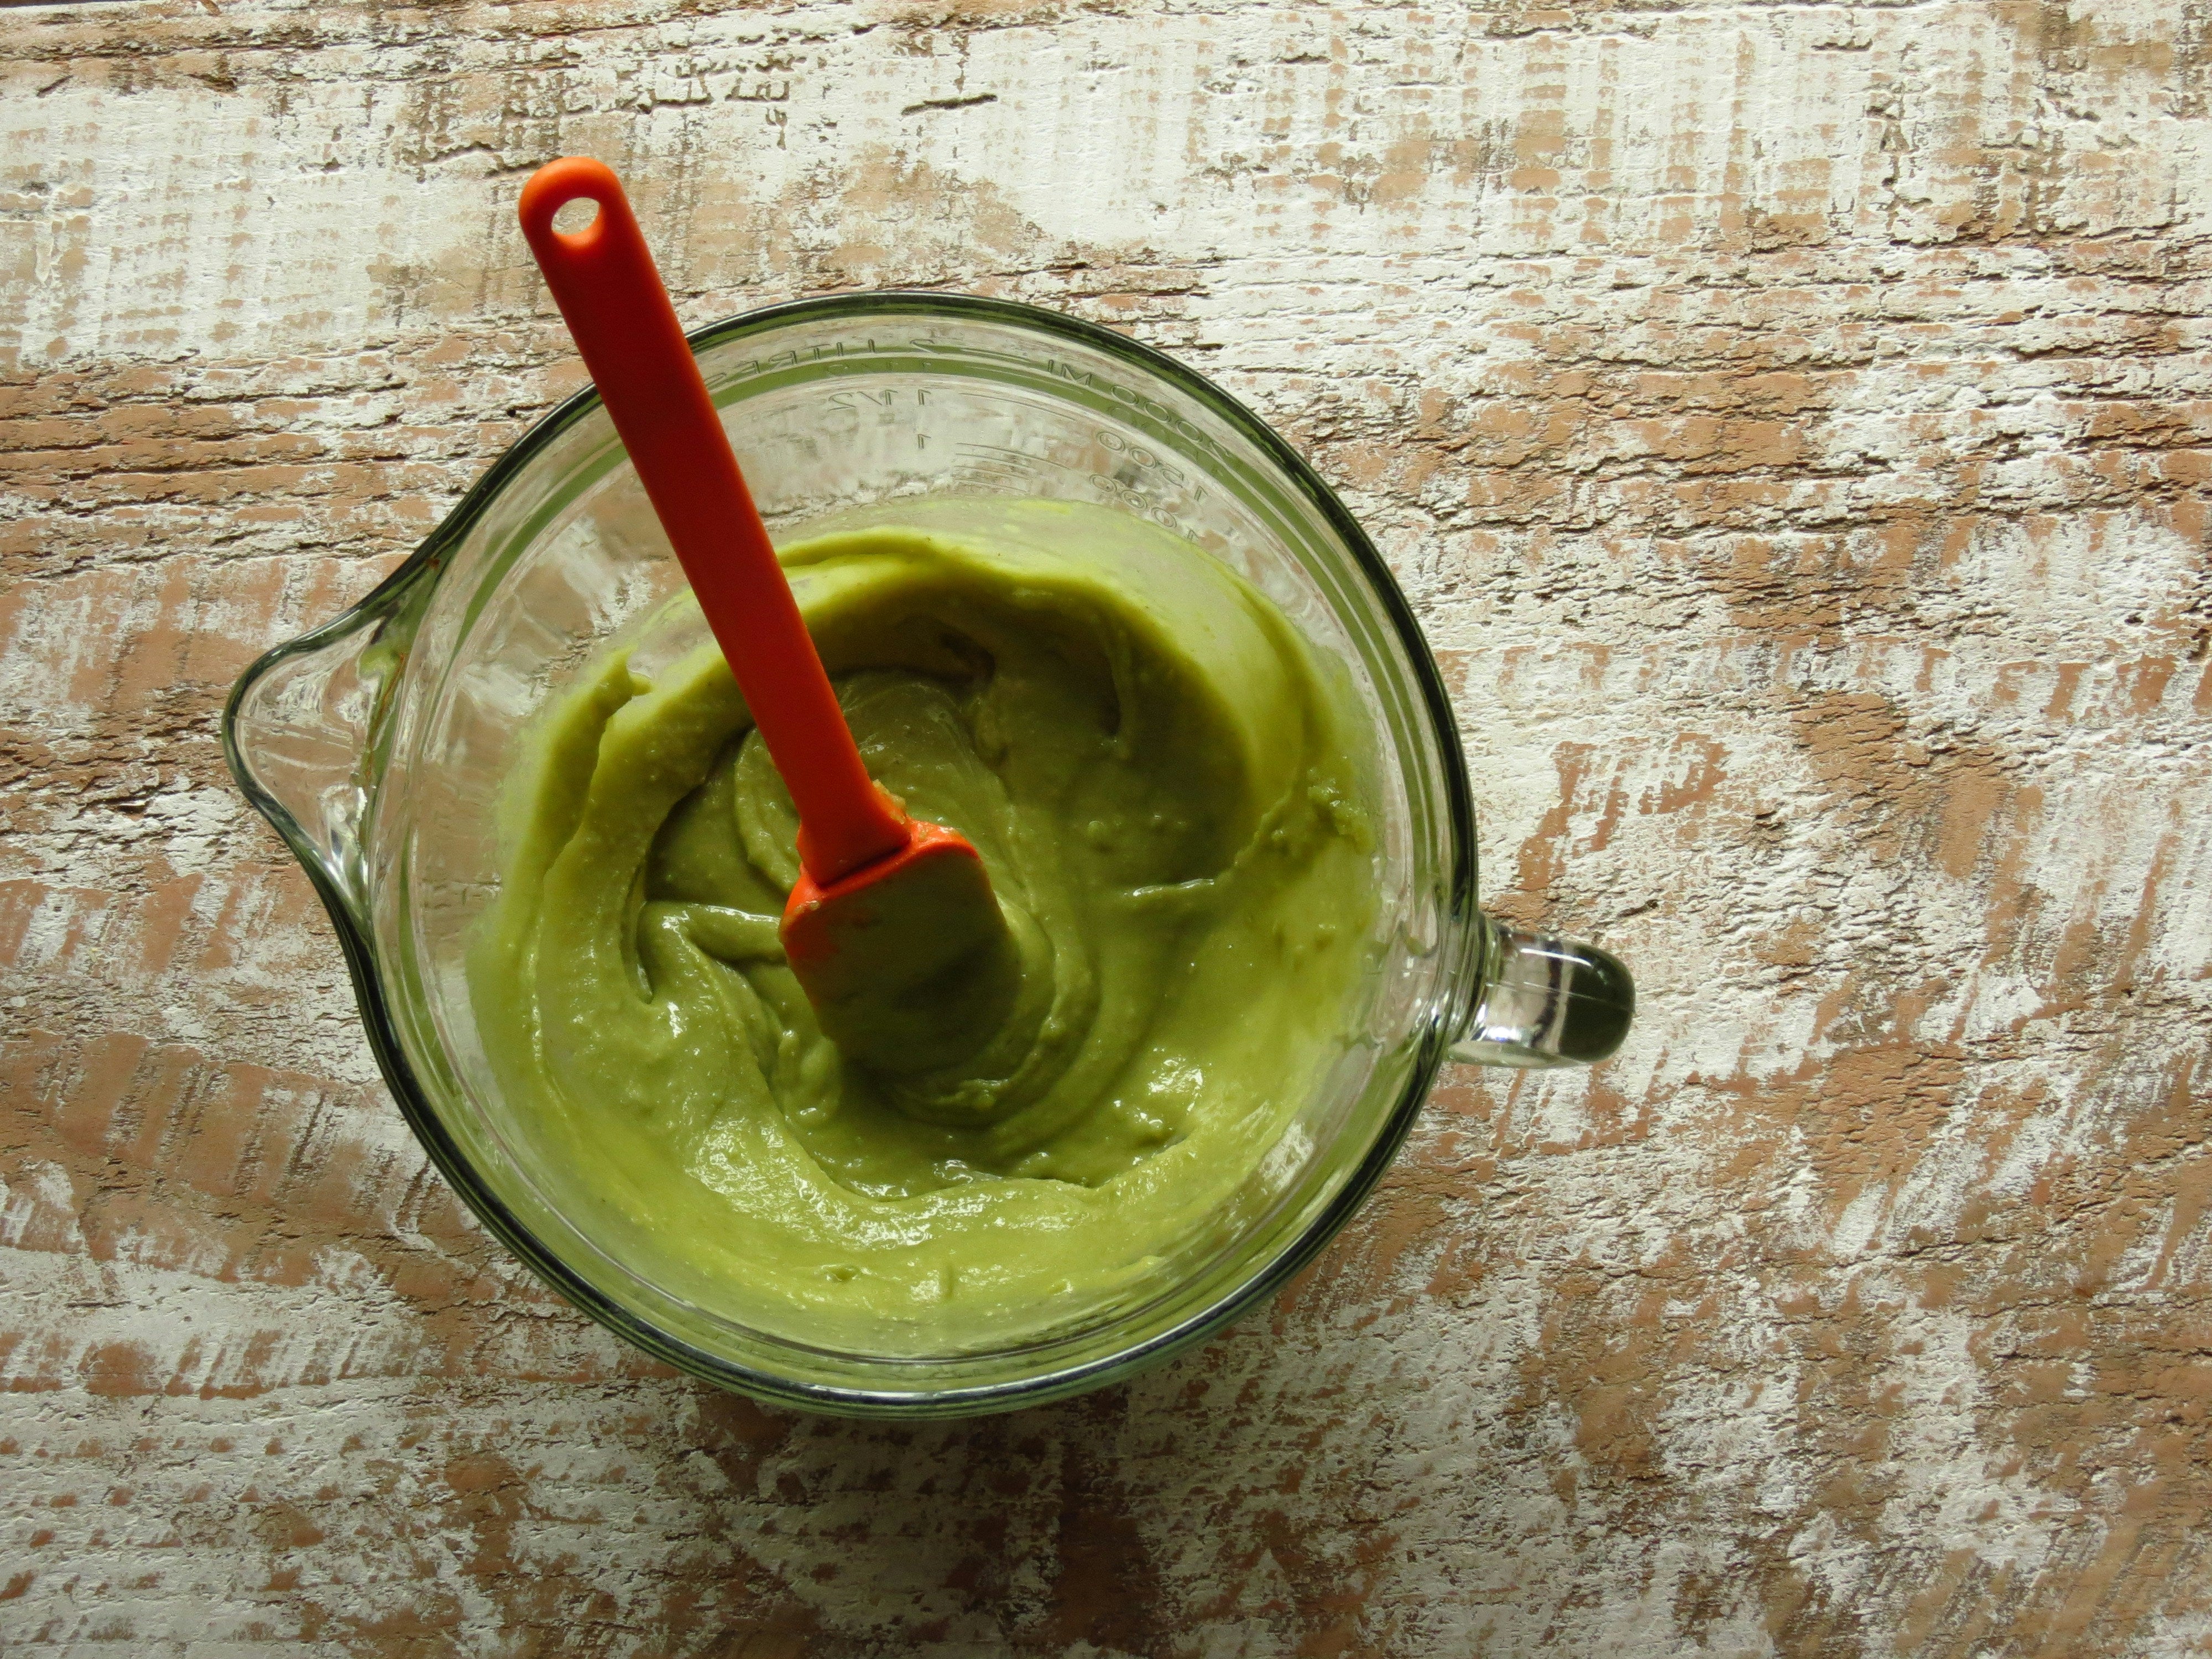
1159, 774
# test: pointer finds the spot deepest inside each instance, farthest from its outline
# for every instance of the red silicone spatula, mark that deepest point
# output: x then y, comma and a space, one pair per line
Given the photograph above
892, 929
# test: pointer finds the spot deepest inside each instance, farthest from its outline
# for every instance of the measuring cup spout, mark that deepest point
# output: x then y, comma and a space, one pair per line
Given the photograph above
300, 732
1544, 1001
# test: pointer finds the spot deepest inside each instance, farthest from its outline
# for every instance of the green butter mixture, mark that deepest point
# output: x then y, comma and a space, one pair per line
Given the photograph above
1161, 780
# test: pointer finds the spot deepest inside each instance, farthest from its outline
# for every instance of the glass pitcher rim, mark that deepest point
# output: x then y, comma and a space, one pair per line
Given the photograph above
1458, 880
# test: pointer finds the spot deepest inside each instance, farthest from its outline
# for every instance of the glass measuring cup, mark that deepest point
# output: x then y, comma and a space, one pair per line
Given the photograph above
378, 746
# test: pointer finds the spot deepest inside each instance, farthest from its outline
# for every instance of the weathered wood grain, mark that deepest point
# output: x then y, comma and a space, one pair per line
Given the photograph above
1792, 424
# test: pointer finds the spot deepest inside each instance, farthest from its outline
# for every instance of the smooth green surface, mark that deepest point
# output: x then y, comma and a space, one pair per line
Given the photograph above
1158, 779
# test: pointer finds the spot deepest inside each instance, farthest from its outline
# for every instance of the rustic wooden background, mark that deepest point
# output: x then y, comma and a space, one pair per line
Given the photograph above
1792, 422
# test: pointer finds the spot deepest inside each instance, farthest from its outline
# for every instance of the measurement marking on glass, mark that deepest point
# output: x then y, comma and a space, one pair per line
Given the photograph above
999, 454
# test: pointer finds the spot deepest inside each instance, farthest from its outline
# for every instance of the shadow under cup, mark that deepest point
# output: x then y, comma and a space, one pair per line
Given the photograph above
379, 745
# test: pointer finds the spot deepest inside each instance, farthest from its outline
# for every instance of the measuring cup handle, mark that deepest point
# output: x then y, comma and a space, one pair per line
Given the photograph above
1545, 1001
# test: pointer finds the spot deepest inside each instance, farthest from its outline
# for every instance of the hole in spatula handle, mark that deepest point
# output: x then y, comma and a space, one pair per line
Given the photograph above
576, 216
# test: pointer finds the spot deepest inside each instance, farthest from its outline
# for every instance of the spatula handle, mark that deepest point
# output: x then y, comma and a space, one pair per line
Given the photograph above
609, 291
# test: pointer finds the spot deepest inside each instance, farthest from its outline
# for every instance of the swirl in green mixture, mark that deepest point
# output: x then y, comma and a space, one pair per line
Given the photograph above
1157, 777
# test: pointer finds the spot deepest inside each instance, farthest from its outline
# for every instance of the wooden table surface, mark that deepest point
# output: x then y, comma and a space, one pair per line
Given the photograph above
1791, 423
